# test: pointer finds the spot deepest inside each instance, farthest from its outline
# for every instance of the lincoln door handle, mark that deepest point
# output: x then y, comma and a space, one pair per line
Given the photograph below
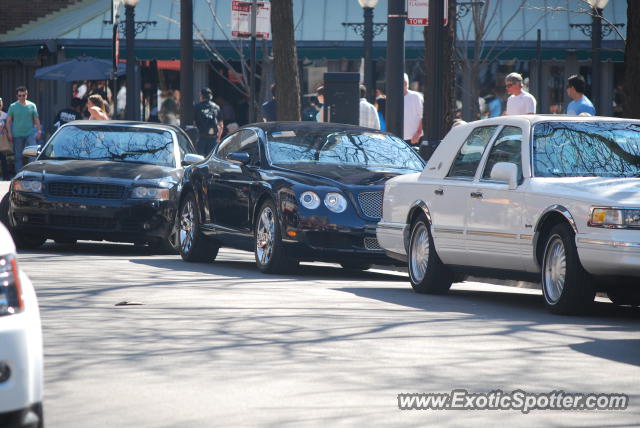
477, 195
439, 192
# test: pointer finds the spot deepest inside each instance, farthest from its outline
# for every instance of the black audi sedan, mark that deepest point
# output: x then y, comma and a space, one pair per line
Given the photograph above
101, 180
290, 192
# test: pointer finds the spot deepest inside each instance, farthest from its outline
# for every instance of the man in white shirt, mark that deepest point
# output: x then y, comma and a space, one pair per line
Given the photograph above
368, 113
413, 102
520, 101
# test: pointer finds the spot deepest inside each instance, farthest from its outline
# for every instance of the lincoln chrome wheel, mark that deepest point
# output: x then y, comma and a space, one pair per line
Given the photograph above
419, 252
566, 286
427, 272
555, 269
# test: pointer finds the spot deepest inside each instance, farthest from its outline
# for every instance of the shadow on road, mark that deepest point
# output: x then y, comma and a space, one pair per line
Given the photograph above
525, 313
226, 267
512, 306
225, 264
622, 351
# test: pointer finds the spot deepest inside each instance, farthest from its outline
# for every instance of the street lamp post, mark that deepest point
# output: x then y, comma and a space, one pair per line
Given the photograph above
435, 94
367, 6
596, 31
395, 67
133, 94
368, 31
186, 62
596, 44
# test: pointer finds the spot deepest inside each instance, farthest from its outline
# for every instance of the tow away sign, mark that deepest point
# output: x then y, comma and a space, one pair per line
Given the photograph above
418, 12
241, 19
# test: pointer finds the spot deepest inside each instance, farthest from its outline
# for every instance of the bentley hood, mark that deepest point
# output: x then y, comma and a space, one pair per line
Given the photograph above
341, 174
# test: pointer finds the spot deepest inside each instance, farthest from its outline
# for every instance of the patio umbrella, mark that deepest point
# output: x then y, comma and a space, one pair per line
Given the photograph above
80, 68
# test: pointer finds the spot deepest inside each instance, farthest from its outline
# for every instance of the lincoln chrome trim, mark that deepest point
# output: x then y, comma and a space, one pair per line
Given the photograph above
454, 231
494, 234
609, 243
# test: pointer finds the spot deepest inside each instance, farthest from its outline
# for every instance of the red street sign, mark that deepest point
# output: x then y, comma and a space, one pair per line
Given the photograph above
117, 47
418, 12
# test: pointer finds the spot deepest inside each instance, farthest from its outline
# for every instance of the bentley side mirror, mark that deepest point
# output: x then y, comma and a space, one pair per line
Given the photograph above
506, 171
239, 157
191, 158
31, 151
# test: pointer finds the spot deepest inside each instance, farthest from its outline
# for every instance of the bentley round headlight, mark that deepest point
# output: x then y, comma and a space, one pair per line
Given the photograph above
335, 202
310, 200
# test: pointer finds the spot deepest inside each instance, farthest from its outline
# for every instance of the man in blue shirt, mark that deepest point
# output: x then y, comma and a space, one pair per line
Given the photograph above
580, 103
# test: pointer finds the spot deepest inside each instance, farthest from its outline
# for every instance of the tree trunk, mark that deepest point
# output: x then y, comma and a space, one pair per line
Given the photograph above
631, 102
285, 60
449, 82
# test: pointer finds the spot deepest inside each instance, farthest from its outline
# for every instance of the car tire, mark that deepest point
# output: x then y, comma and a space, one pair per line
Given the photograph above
23, 241
427, 273
269, 251
171, 243
193, 245
567, 288
624, 296
355, 266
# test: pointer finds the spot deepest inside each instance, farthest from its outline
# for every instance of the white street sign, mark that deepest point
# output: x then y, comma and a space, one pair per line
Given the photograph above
241, 19
418, 12
115, 7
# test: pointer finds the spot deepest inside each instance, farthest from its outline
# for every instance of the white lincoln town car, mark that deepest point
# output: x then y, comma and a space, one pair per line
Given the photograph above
551, 197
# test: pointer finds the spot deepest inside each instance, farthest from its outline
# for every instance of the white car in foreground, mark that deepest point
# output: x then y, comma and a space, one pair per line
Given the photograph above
20, 343
551, 197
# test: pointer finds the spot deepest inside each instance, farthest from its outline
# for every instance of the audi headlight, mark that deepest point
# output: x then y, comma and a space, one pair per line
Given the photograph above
310, 200
10, 292
150, 193
335, 202
615, 218
32, 186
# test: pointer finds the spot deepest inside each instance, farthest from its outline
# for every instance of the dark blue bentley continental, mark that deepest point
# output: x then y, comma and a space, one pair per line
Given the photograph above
290, 192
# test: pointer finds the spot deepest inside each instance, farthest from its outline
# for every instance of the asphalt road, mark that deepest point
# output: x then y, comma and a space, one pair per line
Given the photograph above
223, 345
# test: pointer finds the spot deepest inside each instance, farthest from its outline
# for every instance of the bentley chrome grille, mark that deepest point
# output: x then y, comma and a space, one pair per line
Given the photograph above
371, 204
86, 190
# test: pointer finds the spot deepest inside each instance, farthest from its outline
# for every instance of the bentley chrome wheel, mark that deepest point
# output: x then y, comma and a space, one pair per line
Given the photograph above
265, 236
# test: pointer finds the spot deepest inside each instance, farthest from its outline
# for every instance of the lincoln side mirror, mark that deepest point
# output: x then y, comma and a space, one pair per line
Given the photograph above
506, 171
